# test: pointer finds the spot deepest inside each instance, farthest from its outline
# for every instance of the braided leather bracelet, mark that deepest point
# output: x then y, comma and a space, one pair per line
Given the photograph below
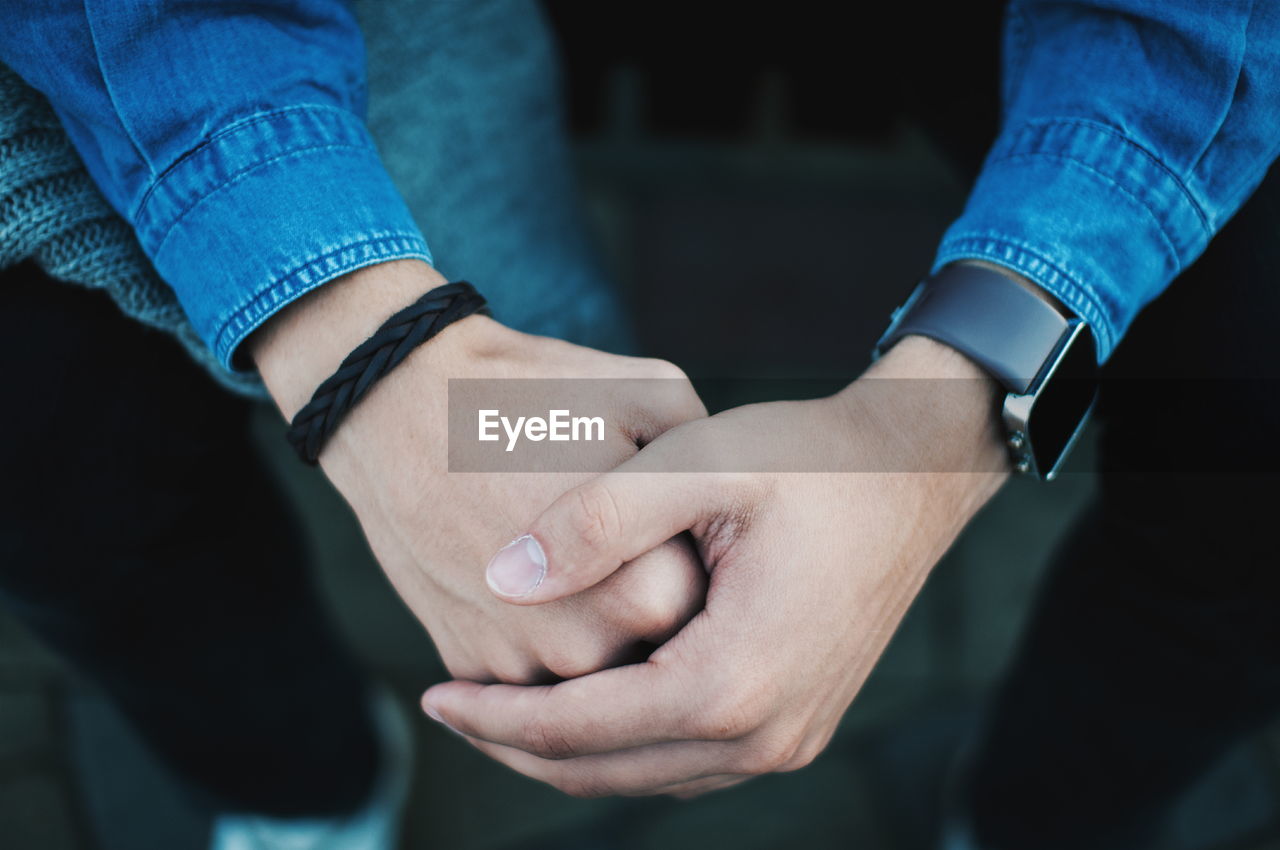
375, 357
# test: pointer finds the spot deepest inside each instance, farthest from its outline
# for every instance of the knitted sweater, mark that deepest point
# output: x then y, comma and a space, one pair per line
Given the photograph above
52, 213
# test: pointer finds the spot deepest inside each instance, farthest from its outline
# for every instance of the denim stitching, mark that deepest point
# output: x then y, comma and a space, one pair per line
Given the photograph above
376, 249
292, 272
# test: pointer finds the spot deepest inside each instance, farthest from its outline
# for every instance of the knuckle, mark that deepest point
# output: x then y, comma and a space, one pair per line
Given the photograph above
803, 757
517, 672
664, 369
546, 741
735, 706
691, 403
650, 610
567, 663
729, 721
768, 754
594, 517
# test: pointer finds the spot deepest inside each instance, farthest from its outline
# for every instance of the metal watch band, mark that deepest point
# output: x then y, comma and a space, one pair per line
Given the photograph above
1000, 325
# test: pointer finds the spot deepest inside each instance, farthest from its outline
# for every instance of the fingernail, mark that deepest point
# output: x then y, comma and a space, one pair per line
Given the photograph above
518, 568
435, 715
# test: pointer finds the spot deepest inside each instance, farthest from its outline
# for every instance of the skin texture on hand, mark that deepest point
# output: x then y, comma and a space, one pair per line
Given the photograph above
810, 575
432, 530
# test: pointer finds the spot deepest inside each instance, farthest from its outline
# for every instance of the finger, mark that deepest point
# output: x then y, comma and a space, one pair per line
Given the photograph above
698, 787
611, 710
636, 772
655, 595
590, 531
660, 405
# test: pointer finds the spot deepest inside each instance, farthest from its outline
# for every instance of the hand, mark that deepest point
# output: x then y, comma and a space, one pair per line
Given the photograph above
432, 530
810, 574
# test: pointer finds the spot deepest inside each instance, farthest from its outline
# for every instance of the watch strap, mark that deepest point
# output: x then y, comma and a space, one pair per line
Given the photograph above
985, 315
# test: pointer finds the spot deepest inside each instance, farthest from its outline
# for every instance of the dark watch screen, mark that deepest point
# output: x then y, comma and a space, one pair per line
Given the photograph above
1063, 401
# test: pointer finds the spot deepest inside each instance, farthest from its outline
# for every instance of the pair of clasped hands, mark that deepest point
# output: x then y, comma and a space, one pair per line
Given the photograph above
650, 630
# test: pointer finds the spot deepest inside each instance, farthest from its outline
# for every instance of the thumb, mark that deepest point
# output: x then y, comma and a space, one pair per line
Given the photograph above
593, 529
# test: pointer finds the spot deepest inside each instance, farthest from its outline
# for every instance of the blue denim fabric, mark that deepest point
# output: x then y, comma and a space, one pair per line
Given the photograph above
1132, 130
235, 143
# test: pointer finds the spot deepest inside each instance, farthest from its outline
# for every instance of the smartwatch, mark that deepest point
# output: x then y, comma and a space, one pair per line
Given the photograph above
1045, 359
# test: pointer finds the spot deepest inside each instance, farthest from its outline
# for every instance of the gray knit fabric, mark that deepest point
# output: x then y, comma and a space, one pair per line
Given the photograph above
52, 213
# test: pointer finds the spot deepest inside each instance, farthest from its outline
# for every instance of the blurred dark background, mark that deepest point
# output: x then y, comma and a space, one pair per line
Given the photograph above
765, 187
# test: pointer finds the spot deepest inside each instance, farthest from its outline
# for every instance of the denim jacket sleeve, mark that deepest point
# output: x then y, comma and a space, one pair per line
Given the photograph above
1132, 130
230, 135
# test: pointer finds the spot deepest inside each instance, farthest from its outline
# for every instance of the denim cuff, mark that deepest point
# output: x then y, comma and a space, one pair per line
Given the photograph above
1086, 213
266, 210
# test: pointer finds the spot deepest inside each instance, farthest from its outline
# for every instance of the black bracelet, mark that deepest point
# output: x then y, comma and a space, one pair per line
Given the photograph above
375, 357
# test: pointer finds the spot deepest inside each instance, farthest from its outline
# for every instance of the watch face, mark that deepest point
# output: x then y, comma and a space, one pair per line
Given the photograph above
1063, 402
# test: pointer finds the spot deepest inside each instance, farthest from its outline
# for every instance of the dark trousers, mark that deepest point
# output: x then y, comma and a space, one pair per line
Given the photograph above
1155, 644
142, 539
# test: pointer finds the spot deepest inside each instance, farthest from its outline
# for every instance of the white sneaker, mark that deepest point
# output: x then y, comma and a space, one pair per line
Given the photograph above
376, 826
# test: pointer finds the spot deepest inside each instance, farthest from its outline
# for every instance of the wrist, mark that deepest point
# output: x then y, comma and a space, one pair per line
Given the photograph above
922, 357
305, 342
1045, 356
945, 406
